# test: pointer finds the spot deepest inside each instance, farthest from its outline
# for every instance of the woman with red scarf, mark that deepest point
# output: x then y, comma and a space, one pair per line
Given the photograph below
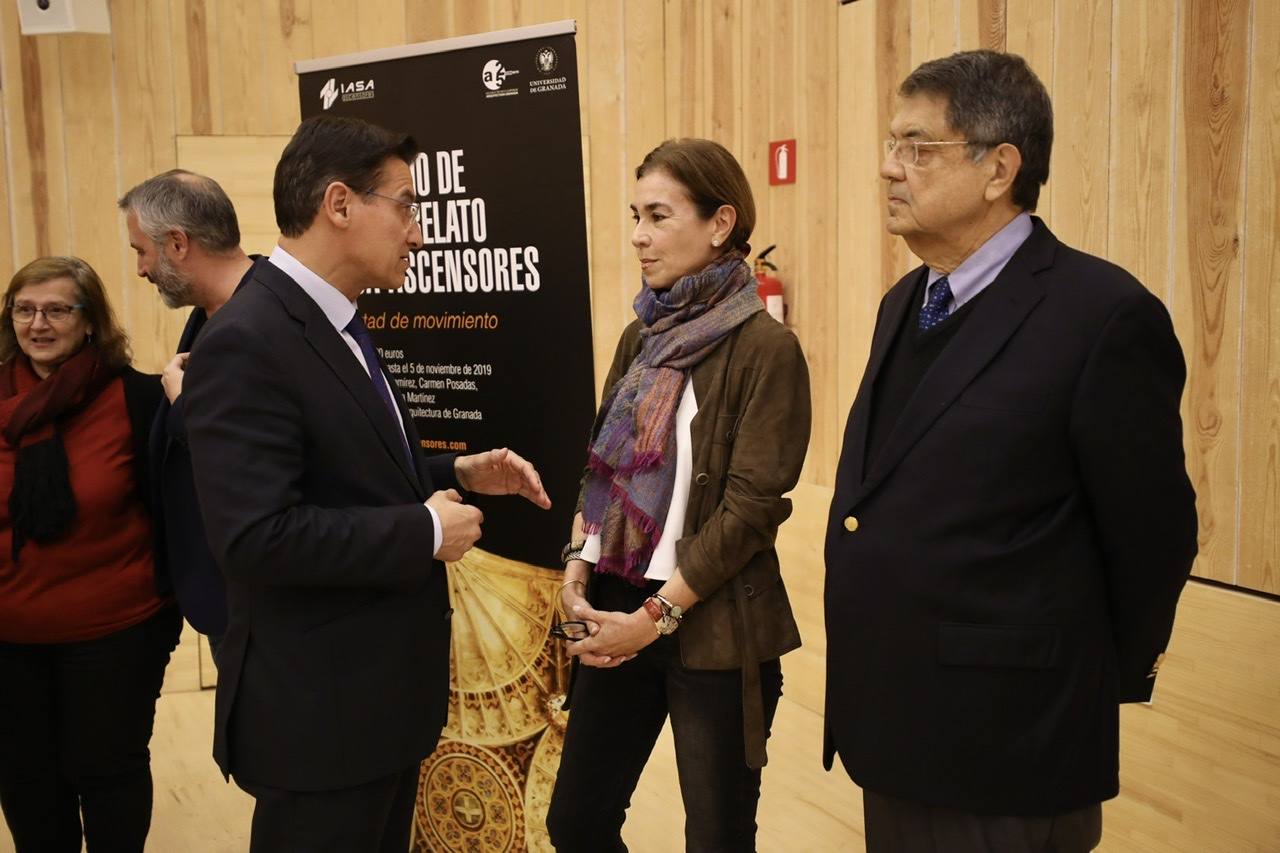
84, 637
674, 598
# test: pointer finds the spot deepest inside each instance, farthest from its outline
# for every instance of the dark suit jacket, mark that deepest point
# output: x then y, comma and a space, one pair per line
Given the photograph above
334, 669
142, 394
185, 568
1021, 541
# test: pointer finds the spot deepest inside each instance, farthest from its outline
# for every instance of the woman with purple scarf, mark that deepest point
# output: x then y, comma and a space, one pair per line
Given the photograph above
672, 587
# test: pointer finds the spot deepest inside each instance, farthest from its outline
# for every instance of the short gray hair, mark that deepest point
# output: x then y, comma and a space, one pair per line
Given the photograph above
184, 201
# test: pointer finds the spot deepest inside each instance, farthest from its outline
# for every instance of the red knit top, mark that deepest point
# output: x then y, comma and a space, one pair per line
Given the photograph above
99, 577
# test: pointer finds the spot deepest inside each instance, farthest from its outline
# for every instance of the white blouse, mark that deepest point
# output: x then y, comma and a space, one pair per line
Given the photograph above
663, 563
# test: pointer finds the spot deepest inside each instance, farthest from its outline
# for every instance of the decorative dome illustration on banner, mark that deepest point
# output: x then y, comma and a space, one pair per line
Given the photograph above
487, 785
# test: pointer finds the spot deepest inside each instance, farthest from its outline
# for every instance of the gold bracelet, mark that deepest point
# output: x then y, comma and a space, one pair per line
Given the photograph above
567, 583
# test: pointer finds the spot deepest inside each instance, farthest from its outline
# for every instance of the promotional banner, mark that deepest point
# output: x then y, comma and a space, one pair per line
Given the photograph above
489, 340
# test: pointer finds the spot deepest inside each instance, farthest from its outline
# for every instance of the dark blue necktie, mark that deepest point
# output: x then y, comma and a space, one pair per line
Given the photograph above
935, 308
356, 329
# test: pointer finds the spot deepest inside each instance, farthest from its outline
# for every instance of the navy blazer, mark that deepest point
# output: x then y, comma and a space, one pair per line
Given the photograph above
1006, 571
334, 669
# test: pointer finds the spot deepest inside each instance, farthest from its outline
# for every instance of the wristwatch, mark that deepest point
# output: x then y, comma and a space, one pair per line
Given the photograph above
666, 616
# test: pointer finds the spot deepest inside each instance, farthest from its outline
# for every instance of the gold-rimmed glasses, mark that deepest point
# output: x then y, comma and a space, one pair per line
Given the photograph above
907, 151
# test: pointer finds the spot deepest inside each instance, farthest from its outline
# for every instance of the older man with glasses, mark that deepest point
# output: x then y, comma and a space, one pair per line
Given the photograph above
1012, 521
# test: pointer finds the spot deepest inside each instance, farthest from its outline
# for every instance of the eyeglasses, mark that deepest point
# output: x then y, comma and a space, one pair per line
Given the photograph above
56, 314
907, 151
412, 212
570, 631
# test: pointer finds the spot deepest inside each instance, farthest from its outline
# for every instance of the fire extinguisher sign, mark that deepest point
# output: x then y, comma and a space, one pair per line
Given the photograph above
782, 162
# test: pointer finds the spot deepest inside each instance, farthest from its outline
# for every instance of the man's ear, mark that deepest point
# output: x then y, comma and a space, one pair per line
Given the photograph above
336, 204
178, 244
1004, 162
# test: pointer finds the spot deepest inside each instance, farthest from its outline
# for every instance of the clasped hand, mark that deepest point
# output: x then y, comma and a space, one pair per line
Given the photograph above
616, 637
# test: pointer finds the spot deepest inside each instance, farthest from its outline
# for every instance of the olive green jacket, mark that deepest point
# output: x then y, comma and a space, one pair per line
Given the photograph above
749, 439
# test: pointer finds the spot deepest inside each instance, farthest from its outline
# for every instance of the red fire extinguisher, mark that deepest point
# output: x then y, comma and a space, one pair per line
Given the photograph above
770, 287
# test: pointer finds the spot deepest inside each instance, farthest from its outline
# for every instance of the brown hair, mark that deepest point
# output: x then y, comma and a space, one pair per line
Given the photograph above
108, 337
712, 177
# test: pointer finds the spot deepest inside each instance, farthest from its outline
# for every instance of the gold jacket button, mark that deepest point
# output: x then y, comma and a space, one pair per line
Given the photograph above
851, 524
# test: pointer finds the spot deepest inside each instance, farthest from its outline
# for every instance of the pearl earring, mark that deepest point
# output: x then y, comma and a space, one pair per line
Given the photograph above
715, 242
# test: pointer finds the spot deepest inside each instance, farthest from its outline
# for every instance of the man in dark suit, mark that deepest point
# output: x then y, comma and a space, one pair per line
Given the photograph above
187, 238
323, 514
1012, 522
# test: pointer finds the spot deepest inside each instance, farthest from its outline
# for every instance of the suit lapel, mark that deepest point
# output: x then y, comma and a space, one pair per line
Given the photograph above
1005, 304
333, 350
896, 306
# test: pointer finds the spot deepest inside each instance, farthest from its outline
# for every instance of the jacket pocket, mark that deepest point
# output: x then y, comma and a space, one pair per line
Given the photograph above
998, 646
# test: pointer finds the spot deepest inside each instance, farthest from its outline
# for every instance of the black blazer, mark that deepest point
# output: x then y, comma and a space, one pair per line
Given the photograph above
142, 395
335, 666
185, 568
1021, 541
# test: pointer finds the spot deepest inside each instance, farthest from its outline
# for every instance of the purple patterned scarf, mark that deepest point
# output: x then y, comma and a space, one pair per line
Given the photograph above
633, 457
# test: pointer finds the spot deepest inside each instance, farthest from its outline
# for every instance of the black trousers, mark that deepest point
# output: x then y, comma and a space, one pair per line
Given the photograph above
617, 715
376, 817
904, 826
75, 725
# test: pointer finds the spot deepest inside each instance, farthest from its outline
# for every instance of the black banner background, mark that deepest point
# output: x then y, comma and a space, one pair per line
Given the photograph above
511, 109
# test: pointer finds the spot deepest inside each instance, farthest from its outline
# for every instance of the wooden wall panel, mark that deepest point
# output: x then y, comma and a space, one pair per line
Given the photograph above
198, 89
861, 265
1139, 225
88, 126
334, 24
239, 43
6, 217
644, 119
992, 24
1082, 111
33, 110
381, 24
613, 269
286, 36
816, 304
1029, 32
1209, 210
144, 91
1260, 368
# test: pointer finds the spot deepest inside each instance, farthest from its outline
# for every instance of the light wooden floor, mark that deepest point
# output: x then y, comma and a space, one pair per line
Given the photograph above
1200, 768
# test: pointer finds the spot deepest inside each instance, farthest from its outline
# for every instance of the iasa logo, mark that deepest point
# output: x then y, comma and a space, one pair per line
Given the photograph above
356, 90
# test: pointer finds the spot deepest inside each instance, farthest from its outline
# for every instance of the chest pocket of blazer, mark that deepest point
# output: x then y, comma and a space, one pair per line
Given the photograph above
1003, 401
998, 646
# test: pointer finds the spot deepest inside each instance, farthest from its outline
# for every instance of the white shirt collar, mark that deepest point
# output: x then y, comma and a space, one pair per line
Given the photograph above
336, 307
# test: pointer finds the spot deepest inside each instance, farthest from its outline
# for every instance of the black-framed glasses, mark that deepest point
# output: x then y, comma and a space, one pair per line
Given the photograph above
570, 631
412, 212
56, 314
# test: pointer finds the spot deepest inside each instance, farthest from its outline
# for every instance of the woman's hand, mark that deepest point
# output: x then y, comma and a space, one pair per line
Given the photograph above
615, 637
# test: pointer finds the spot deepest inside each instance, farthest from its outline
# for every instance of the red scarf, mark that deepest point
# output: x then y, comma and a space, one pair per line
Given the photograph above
42, 504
